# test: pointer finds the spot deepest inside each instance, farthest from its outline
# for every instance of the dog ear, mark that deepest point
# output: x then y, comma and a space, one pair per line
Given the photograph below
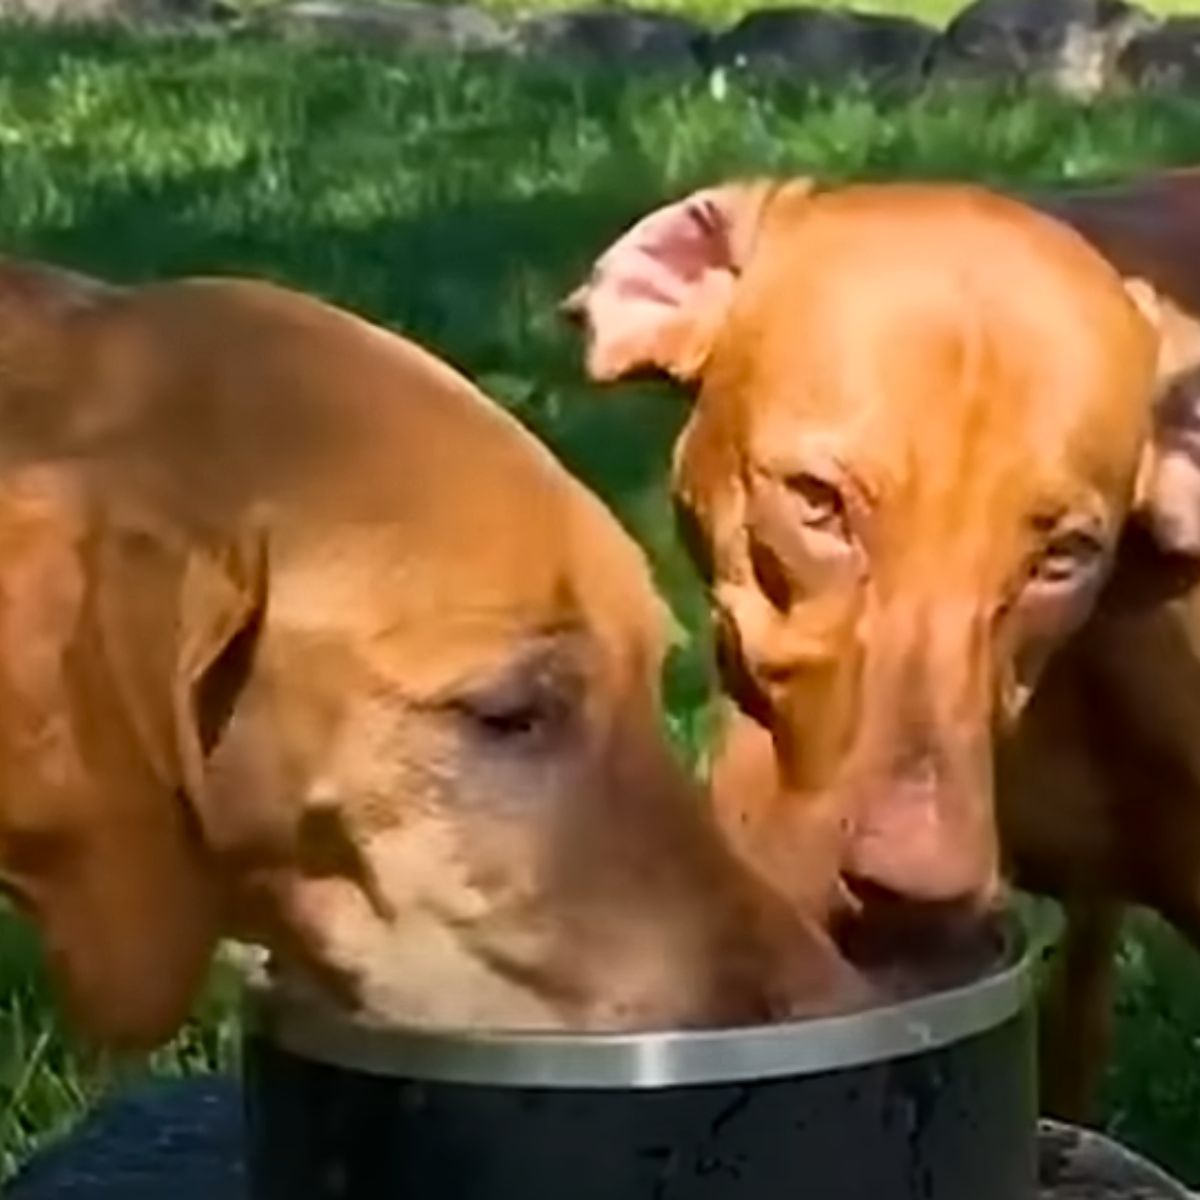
112, 641
657, 297
1167, 498
209, 595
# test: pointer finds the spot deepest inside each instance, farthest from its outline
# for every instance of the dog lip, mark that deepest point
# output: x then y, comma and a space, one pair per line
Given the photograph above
892, 935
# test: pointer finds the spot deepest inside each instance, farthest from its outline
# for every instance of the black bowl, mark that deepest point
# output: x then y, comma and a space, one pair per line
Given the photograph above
930, 1099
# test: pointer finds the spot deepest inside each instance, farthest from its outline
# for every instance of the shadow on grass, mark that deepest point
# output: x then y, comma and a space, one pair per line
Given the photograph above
1152, 1094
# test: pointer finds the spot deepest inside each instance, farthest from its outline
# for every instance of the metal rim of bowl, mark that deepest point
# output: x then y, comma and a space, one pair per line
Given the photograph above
653, 1059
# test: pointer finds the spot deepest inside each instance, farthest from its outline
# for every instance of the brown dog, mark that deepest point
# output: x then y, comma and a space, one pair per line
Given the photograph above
302, 639
920, 415
1099, 797
1101, 794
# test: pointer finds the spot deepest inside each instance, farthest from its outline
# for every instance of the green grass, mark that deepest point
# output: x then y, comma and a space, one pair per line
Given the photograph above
1153, 1089
458, 203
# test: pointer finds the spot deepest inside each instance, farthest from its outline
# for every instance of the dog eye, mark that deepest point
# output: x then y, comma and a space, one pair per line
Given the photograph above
519, 719
819, 504
1066, 556
522, 708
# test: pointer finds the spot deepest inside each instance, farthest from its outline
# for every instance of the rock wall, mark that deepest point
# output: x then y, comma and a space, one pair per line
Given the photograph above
1082, 48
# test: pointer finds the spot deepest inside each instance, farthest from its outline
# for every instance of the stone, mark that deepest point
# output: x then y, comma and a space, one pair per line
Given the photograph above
1166, 57
1073, 46
824, 45
613, 37
111, 12
454, 28
178, 1139
1078, 1164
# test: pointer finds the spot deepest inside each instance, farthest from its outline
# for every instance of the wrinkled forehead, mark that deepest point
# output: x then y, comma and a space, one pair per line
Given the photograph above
465, 588
950, 346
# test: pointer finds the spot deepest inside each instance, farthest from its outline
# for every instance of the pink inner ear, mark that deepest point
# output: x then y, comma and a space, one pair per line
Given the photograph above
1172, 505
1169, 483
656, 296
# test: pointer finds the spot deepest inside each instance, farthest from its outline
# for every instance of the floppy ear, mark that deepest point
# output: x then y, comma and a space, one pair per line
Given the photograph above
106, 633
209, 596
657, 297
1167, 497
177, 620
